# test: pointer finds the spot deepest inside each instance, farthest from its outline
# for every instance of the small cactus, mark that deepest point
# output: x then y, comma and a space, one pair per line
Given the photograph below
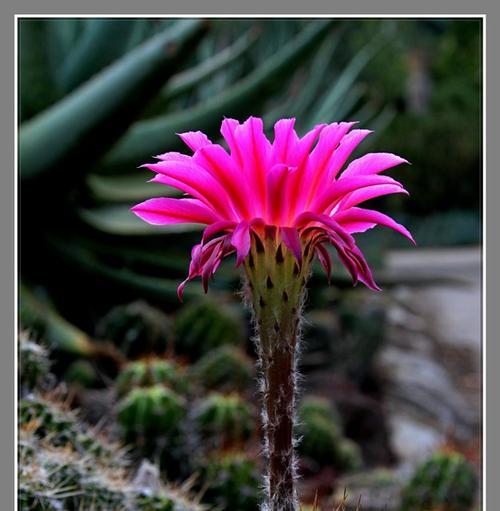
149, 372
445, 482
232, 481
322, 439
150, 412
225, 368
224, 420
33, 362
201, 327
137, 329
81, 373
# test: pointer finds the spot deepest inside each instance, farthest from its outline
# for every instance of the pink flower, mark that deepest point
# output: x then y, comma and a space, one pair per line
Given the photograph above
295, 184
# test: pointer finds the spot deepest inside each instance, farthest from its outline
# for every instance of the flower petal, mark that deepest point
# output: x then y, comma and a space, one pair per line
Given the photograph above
346, 147
291, 239
195, 139
372, 163
240, 240
351, 219
165, 211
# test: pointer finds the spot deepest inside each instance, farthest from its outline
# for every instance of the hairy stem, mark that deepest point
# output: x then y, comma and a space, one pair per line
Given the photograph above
275, 288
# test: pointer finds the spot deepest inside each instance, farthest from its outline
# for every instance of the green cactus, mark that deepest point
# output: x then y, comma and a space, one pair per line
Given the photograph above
81, 373
322, 439
224, 420
445, 482
33, 362
226, 368
150, 412
149, 372
203, 326
232, 480
137, 328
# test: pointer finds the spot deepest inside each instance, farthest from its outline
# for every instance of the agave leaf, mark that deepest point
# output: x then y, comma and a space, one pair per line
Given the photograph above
46, 322
102, 41
37, 89
103, 107
191, 78
126, 189
119, 220
347, 78
152, 136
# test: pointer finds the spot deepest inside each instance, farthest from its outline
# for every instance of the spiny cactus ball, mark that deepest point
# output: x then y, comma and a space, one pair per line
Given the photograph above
202, 326
445, 482
137, 329
322, 439
223, 419
150, 412
233, 481
33, 362
224, 368
149, 372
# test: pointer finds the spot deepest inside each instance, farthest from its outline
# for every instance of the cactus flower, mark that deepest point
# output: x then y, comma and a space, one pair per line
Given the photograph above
276, 206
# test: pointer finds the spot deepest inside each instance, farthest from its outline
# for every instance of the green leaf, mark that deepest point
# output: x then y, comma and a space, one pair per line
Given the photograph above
152, 136
191, 78
103, 107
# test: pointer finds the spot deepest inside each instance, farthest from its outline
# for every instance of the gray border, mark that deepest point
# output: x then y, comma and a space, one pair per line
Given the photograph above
47, 7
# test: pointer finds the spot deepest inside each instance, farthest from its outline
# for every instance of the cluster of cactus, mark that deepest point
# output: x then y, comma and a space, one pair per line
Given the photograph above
34, 363
445, 482
224, 420
225, 368
137, 328
202, 326
322, 440
65, 464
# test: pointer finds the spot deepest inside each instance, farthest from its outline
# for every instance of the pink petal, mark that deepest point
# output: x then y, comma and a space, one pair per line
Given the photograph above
368, 193
240, 240
195, 139
215, 159
228, 129
164, 211
291, 239
285, 139
325, 260
350, 218
216, 228
346, 147
276, 201
372, 163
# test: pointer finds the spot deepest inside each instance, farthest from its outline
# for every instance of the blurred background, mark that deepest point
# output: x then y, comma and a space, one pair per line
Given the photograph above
129, 400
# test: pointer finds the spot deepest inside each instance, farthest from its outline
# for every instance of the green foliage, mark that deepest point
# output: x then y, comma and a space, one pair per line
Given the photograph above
233, 481
136, 328
224, 419
322, 439
149, 372
445, 482
226, 368
33, 362
203, 326
150, 412
81, 373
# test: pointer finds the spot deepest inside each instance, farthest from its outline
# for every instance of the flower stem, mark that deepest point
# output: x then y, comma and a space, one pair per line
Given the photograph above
276, 287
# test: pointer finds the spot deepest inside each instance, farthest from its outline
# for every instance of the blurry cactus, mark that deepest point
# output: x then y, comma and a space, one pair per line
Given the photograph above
322, 439
226, 368
33, 362
445, 482
150, 412
81, 373
224, 420
202, 326
232, 480
148, 372
137, 329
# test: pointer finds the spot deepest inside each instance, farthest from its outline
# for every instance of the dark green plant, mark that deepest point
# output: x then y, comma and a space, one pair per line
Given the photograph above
226, 368
34, 362
232, 481
203, 326
224, 420
322, 439
150, 412
81, 373
137, 329
445, 482
150, 372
